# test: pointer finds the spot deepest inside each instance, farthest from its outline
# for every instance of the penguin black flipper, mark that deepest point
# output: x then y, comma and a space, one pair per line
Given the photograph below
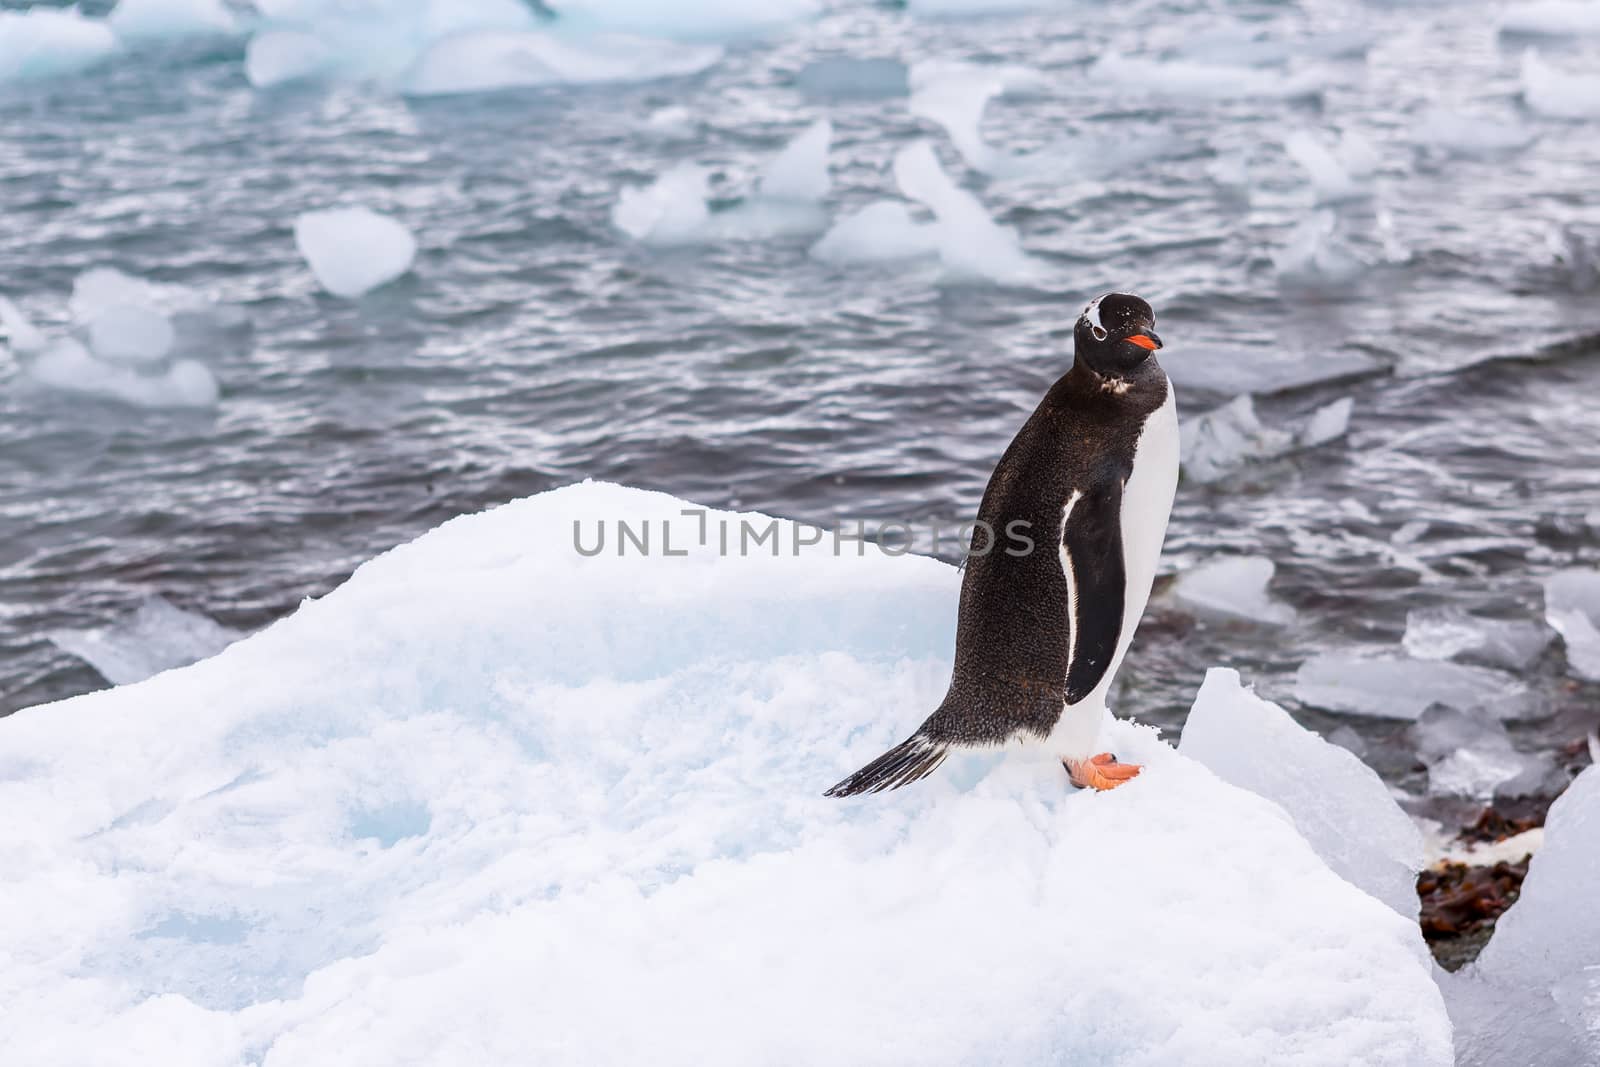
1091, 557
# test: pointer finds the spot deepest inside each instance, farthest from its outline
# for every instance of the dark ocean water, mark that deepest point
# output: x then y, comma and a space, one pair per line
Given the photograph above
533, 344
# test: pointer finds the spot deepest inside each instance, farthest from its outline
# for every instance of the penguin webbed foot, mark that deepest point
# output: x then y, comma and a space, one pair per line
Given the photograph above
1100, 772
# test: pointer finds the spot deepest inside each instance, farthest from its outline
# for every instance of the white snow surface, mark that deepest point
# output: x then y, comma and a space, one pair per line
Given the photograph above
43, 42
156, 637
353, 250
1572, 606
495, 801
1338, 803
1233, 587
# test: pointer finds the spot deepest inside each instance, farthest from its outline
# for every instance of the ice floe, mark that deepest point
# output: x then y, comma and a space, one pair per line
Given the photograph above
971, 243
1219, 442
1391, 687
43, 42
353, 250
1551, 18
1317, 255
67, 365
497, 59
1558, 93
1341, 172
670, 210
1450, 633
156, 637
1338, 803
492, 779
1233, 369
881, 232
1572, 606
800, 171
1469, 754
689, 19
280, 57
1233, 587
1575, 257
1181, 79
1453, 133
139, 20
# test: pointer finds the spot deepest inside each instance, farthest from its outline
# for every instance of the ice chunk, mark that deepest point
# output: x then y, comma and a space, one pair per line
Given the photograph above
671, 210
1233, 587
353, 250
65, 364
1577, 258
948, 8
1394, 688
42, 42
277, 57
492, 778
1499, 1023
800, 171
1219, 442
1232, 369
1474, 136
1338, 803
1014, 79
957, 104
672, 121
15, 328
1450, 633
1316, 256
130, 333
1572, 606
853, 78
1469, 754
1341, 173
1179, 79
157, 637
690, 19
135, 20
882, 231
1558, 93
971, 244
1552, 18
499, 59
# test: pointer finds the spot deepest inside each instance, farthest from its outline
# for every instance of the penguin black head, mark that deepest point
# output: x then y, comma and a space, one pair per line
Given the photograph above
1115, 334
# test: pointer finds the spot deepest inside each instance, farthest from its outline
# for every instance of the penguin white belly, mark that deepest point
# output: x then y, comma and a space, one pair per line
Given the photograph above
1146, 505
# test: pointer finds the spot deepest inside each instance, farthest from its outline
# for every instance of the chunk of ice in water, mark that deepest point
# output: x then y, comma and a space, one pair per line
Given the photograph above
486, 60
850, 77
971, 244
1551, 18
1469, 754
156, 637
1338, 803
800, 171
1014, 79
1178, 79
1233, 369
1234, 587
67, 365
1453, 133
1572, 606
277, 57
1316, 256
1336, 174
15, 328
1556, 92
353, 250
1450, 633
670, 210
1398, 688
135, 20
1219, 442
882, 231
130, 333
43, 42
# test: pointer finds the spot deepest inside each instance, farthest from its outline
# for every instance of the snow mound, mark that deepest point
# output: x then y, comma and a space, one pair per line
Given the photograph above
1558, 93
1450, 633
139, 20
498, 59
1572, 606
1180, 79
1338, 803
1552, 18
42, 42
971, 244
1233, 587
493, 779
1398, 688
1220, 442
157, 637
353, 250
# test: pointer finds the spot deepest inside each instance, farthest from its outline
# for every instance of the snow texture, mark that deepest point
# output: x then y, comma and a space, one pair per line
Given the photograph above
43, 42
496, 59
1338, 803
1232, 587
1398, 688
158, 636
1572, 606
493, 801
353, 250
1556, 92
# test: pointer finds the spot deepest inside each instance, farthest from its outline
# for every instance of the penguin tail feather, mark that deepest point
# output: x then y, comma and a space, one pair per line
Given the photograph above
911, 760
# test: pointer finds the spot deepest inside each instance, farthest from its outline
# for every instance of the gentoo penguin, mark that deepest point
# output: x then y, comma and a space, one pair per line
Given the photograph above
1089, 480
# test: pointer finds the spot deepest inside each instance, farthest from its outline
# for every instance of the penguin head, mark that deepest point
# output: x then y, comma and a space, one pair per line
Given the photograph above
1115, 334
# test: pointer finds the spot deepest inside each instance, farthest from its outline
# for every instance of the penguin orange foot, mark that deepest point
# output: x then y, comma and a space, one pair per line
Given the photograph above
1100, 772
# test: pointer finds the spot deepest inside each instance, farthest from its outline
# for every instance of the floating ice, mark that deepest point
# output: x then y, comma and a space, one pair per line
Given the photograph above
1572, 606
1338, 803
157, 637
1530, 996
853, 78
353, 250
689, 19
277, 57
1552, 18
1473, 136
1450, 633
672, 121
671, 210
1219, 442
131, 333
499, 59
1231, 369
135, 20
1393, 688
1233, 587
1340, 173
949, 8
971, 244
1577, 258
23, 336
1469, 754
1315, 255
491, 779
1014, 79
800, 171
67, 365
881, 232
1179, 79
42, 42
1558, 93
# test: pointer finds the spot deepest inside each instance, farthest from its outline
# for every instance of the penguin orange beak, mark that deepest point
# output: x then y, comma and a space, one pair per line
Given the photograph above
1146, 340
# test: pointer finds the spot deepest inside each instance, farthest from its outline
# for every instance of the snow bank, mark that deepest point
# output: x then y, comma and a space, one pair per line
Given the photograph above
496, 59
353, 250
1398, 688
1572, 606
43, 42
156, 637
1219, 442
1233, 587
1338, 803
496, 801
1559, 93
